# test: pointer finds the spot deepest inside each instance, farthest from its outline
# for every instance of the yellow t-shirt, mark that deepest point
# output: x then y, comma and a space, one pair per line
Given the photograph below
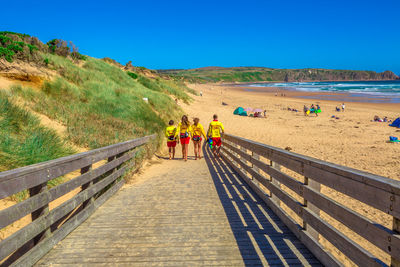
170, 131
182, 128
198, 130
215, 129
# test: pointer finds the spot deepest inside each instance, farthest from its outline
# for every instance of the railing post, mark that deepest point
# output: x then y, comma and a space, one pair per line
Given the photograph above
40, 212
85, 186
396, 228
276, 166
255, 168
317, 187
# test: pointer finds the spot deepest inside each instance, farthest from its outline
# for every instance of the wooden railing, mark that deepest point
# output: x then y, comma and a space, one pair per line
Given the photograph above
27, 245
260, 166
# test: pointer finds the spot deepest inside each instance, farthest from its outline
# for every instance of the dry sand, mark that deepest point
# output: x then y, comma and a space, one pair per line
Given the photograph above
353, 140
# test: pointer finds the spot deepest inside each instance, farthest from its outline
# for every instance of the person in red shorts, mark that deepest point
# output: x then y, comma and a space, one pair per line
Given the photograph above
170, 133
184, 135
214, 132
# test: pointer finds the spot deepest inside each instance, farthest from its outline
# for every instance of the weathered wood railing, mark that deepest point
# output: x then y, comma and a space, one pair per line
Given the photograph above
259, 165
48, 227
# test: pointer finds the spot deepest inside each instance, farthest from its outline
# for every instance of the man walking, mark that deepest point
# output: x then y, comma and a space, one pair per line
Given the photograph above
214, 132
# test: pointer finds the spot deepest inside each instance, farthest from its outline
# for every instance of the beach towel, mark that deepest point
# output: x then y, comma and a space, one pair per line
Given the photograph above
393, 139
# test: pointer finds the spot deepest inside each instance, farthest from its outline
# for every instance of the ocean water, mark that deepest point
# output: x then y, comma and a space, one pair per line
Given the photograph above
381, 91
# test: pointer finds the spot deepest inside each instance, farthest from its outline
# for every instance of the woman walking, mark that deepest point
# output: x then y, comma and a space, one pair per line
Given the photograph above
197, 131
184, 135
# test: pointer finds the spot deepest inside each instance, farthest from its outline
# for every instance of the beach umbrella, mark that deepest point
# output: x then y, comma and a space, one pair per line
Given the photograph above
248, 109
258, 110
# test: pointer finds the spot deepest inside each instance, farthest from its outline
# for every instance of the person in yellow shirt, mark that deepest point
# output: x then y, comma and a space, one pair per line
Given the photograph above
170, 133
214, 132
197, 132
184, 135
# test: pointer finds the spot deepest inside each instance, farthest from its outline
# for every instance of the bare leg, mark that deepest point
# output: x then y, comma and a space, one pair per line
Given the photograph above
218, 149
183, 150
195, 149
186, 151
170, 152
199, 149
173, 153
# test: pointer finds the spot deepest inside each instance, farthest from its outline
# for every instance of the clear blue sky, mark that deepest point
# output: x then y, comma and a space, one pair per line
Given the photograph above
339, 34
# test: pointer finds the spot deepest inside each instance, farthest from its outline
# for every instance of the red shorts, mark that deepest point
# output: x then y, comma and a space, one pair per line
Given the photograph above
185, 141
171, 144
216, 141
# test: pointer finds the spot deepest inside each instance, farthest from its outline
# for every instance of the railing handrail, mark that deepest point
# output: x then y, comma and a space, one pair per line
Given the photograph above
384, 183
376, 191
24, 177
28, 244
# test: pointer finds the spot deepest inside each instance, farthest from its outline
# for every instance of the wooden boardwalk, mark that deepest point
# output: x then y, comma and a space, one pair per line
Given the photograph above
194, 213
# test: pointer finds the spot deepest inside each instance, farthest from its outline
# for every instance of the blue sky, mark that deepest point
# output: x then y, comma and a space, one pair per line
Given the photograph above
336, 34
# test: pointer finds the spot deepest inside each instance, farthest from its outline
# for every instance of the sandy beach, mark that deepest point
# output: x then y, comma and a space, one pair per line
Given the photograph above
353, 140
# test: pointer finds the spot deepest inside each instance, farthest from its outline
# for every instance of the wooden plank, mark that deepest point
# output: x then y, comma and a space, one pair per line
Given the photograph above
320, 253
311, 184
365, 193
373, 232
87, 185
47, 244
384, 183
19, 210
283, 178
41, 211
13, 242
395, 259
16, 180
356, 253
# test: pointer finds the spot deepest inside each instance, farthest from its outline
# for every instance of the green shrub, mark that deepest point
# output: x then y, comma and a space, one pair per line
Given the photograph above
132, 75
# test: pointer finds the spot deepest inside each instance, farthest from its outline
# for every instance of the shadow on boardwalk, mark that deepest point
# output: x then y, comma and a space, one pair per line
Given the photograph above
261, 237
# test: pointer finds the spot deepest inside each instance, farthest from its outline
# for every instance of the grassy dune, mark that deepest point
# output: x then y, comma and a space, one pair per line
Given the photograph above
100, 104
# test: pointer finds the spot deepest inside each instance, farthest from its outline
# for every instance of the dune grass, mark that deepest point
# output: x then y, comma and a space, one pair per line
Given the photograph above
23, 141
101, 104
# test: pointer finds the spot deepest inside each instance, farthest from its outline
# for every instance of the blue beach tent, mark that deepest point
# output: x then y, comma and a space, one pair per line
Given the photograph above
396, 123
240, 111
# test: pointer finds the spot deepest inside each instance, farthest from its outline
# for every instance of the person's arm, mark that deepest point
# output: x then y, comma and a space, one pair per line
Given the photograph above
222, 128
202, 131
209, 130
178, 130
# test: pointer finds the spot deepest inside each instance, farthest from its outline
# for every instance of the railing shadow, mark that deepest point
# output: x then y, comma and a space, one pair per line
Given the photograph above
261, 237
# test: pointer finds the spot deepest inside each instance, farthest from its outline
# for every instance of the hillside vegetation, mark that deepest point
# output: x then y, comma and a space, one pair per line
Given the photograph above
256, 74
98, 101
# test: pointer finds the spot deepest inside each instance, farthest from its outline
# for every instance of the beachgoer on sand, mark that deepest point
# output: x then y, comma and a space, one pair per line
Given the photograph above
343, 107
201, 93
214, 132
170, 133
306, 110
197, 132
184, 135
265, 113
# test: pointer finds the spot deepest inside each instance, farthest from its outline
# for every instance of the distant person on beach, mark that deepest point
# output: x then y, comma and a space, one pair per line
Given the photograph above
306, 110
343, 107
265, 113
170, 133
197, 132
184, 135
214, 132
201, 93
